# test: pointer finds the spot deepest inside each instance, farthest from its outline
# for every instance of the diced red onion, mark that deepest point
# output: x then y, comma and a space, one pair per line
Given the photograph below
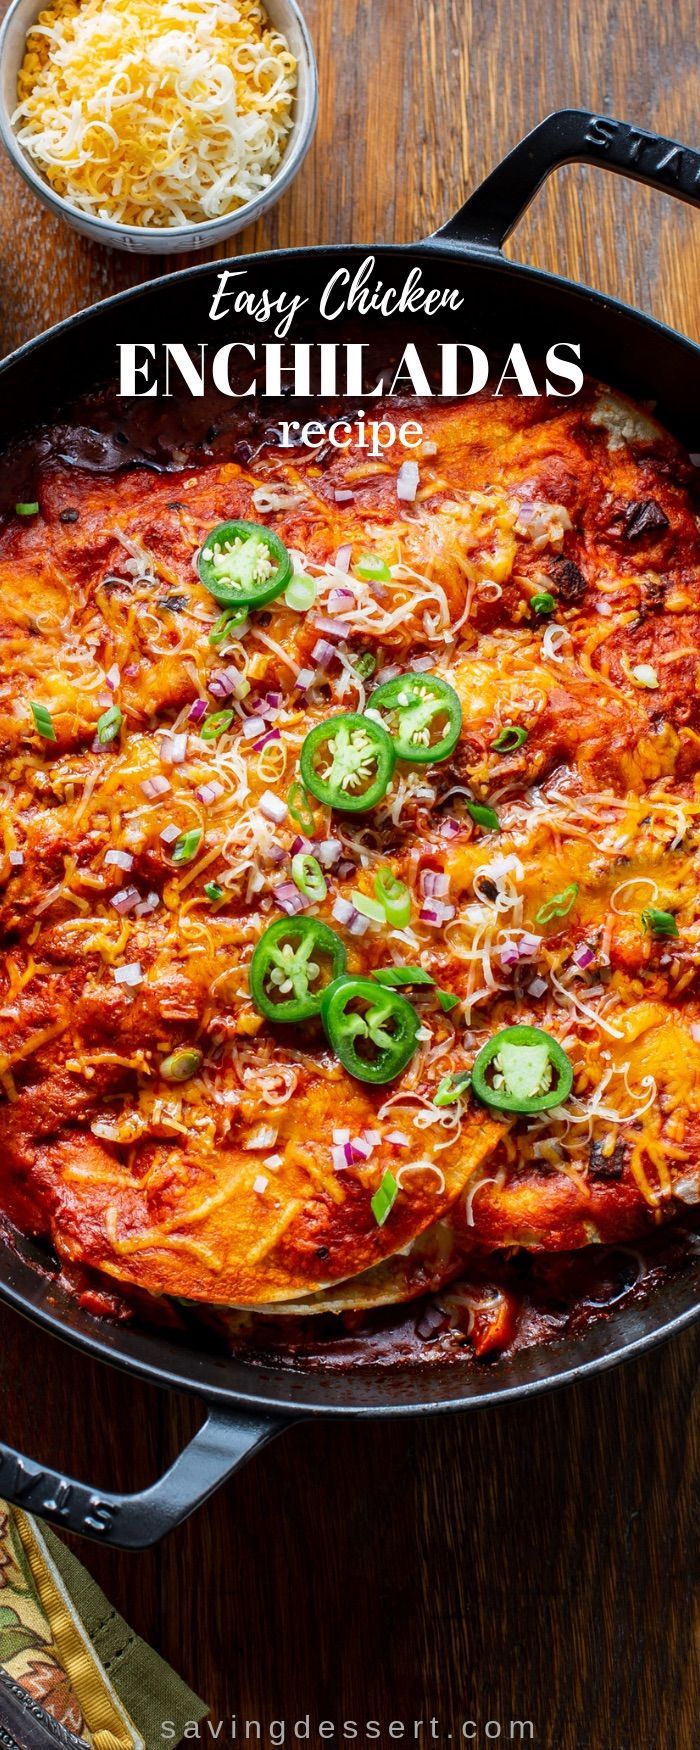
125, 900
373, 1136
695, 1031
529, 945
121, 859
358, 1149
272, 806
449, 829
436, 912
104, 699
399, 1139
271, 735
584, 956
328, 852
198, 711
537, 987
224, 682
301, 844
435, 884
422, 664
305, 679
267, 706
16, 859
147, 905
275, 852
323, 653
208, 793
338, 1159
525, 948
173, 749
341, 1136
407, 481
342, 558
343, 911
129, 975
343, 495
170, 833
113, 677
253, 726
387, 674
154, 787
346, 867
289, 899
330, 628
339, 599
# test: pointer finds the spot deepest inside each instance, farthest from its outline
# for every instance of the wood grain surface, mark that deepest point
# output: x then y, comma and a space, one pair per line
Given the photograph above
538, 1563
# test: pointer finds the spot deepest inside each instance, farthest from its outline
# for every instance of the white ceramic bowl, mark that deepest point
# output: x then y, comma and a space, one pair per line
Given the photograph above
163, 240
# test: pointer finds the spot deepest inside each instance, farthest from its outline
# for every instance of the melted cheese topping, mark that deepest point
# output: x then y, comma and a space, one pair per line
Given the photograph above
225, 1187
155, 112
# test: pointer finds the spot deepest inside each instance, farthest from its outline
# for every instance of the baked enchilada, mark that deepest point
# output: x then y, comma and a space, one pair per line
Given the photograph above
348, 889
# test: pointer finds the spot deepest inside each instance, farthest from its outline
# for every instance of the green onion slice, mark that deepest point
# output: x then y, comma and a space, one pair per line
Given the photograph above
300, 807
384, 1199
559, 905
368, 908
395, 898
510, 739
372, 569
181, 1065
301, 593
308, 876
216, 725
227, 623
543, 603
452, 1087
484, 816
397, 977
659, 923
43, 722
27, 509
213, 891
187, 846
109, 725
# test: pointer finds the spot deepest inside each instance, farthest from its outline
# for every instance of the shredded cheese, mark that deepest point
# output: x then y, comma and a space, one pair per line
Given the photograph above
155, 112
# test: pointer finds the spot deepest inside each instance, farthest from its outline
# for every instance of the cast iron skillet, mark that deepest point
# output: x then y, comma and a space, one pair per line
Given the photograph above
504, 301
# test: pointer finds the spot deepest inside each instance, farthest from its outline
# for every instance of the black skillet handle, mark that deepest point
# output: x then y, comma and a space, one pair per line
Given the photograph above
224, 1441
569, 136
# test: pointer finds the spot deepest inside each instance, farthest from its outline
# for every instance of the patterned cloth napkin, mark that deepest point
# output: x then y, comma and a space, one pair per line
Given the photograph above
70, 1650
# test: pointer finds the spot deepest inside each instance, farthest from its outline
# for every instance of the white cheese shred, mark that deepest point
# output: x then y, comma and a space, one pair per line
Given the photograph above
156, 112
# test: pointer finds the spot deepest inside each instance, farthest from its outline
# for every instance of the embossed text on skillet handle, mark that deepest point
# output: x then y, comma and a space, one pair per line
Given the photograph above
569, 136
224, 1441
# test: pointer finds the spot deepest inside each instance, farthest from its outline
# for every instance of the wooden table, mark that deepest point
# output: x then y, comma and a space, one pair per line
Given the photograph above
536, 1563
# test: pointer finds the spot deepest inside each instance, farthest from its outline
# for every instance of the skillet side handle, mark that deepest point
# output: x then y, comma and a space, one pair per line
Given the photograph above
223, 1443
569, 136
